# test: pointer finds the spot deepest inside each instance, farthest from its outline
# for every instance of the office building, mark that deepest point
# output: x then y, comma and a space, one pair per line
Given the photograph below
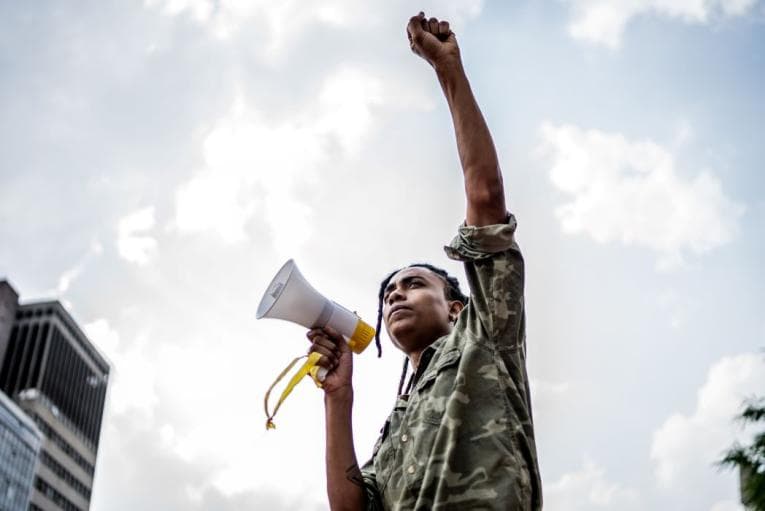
19, 447
57, 377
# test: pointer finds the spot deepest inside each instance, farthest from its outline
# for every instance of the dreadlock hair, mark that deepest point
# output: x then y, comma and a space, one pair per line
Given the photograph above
452, 291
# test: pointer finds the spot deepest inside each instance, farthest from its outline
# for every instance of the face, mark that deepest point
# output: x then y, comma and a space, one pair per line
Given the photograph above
416, 310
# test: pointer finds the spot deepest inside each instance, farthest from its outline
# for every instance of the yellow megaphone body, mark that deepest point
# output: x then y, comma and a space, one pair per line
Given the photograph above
290, 297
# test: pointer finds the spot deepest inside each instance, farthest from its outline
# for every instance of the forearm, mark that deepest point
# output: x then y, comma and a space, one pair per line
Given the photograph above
344, 481
483, 178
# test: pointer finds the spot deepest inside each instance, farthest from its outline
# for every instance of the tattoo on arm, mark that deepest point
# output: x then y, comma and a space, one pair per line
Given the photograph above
353, 474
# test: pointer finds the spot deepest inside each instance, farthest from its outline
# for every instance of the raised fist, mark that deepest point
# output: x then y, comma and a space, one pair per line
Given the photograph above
432, 40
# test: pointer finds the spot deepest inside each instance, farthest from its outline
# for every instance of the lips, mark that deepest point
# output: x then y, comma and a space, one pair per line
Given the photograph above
397, 308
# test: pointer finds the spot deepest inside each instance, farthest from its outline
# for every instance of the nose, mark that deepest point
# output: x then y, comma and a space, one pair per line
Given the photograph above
395, 295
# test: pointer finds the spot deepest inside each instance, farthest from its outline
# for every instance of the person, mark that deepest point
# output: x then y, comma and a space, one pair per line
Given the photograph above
461, 434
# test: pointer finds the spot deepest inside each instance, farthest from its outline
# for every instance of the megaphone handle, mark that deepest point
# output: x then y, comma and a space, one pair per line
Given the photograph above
319, 374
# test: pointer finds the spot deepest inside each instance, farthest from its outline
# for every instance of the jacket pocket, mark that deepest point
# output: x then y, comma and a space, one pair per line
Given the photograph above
434, 389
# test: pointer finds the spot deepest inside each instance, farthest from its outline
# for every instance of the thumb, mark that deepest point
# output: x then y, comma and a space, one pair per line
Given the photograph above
414, 30
342, 346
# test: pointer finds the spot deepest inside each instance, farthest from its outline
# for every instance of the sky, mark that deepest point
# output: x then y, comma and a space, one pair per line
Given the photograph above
162, 159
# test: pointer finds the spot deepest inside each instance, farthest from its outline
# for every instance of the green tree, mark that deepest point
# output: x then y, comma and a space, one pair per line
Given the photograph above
750, 459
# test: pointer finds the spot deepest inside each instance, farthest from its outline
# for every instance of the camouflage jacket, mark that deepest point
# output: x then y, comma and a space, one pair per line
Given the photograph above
463, 438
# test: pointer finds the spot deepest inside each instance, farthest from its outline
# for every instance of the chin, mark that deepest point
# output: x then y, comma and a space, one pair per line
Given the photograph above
399, 333
399, 327
408, 338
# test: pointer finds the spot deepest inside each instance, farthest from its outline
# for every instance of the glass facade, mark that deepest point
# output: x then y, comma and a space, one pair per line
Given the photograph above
19, 447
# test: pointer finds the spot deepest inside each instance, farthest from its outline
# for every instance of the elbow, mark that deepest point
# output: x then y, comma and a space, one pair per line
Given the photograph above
485, 203
486, 194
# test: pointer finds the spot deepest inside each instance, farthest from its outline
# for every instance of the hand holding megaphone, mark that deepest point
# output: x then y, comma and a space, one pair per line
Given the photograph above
290, 297
336, 361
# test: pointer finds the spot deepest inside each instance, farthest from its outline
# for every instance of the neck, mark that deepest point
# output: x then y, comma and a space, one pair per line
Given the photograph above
414, 347
414, 359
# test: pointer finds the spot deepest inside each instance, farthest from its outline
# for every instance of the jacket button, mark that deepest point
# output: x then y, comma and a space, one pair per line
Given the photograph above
410, 469
404, 437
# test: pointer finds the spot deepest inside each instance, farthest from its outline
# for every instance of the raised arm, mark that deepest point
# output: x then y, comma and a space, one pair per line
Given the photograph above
434, 41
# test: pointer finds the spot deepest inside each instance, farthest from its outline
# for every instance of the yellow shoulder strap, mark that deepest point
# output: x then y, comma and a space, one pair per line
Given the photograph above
309, 364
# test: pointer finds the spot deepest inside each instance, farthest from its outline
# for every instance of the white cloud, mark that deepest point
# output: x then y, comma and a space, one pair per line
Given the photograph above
184, 394
247, 156
211, 201
201, 10
133, 244
66, 279
685, 447
588, 489
629, 191
284, 21
603, 21
548, 388
132, 386
727, 505
281, 21
347, 99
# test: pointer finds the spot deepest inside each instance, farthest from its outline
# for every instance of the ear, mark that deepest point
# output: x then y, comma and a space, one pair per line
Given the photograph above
455, 307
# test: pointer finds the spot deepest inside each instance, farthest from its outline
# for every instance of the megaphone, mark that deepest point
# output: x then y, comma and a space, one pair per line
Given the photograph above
290, 297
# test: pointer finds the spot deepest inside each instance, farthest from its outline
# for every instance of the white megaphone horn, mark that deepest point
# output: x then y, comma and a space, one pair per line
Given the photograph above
290, 297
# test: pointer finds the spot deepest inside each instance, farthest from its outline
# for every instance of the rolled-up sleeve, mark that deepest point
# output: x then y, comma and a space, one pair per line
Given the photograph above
373, 499
495, 272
